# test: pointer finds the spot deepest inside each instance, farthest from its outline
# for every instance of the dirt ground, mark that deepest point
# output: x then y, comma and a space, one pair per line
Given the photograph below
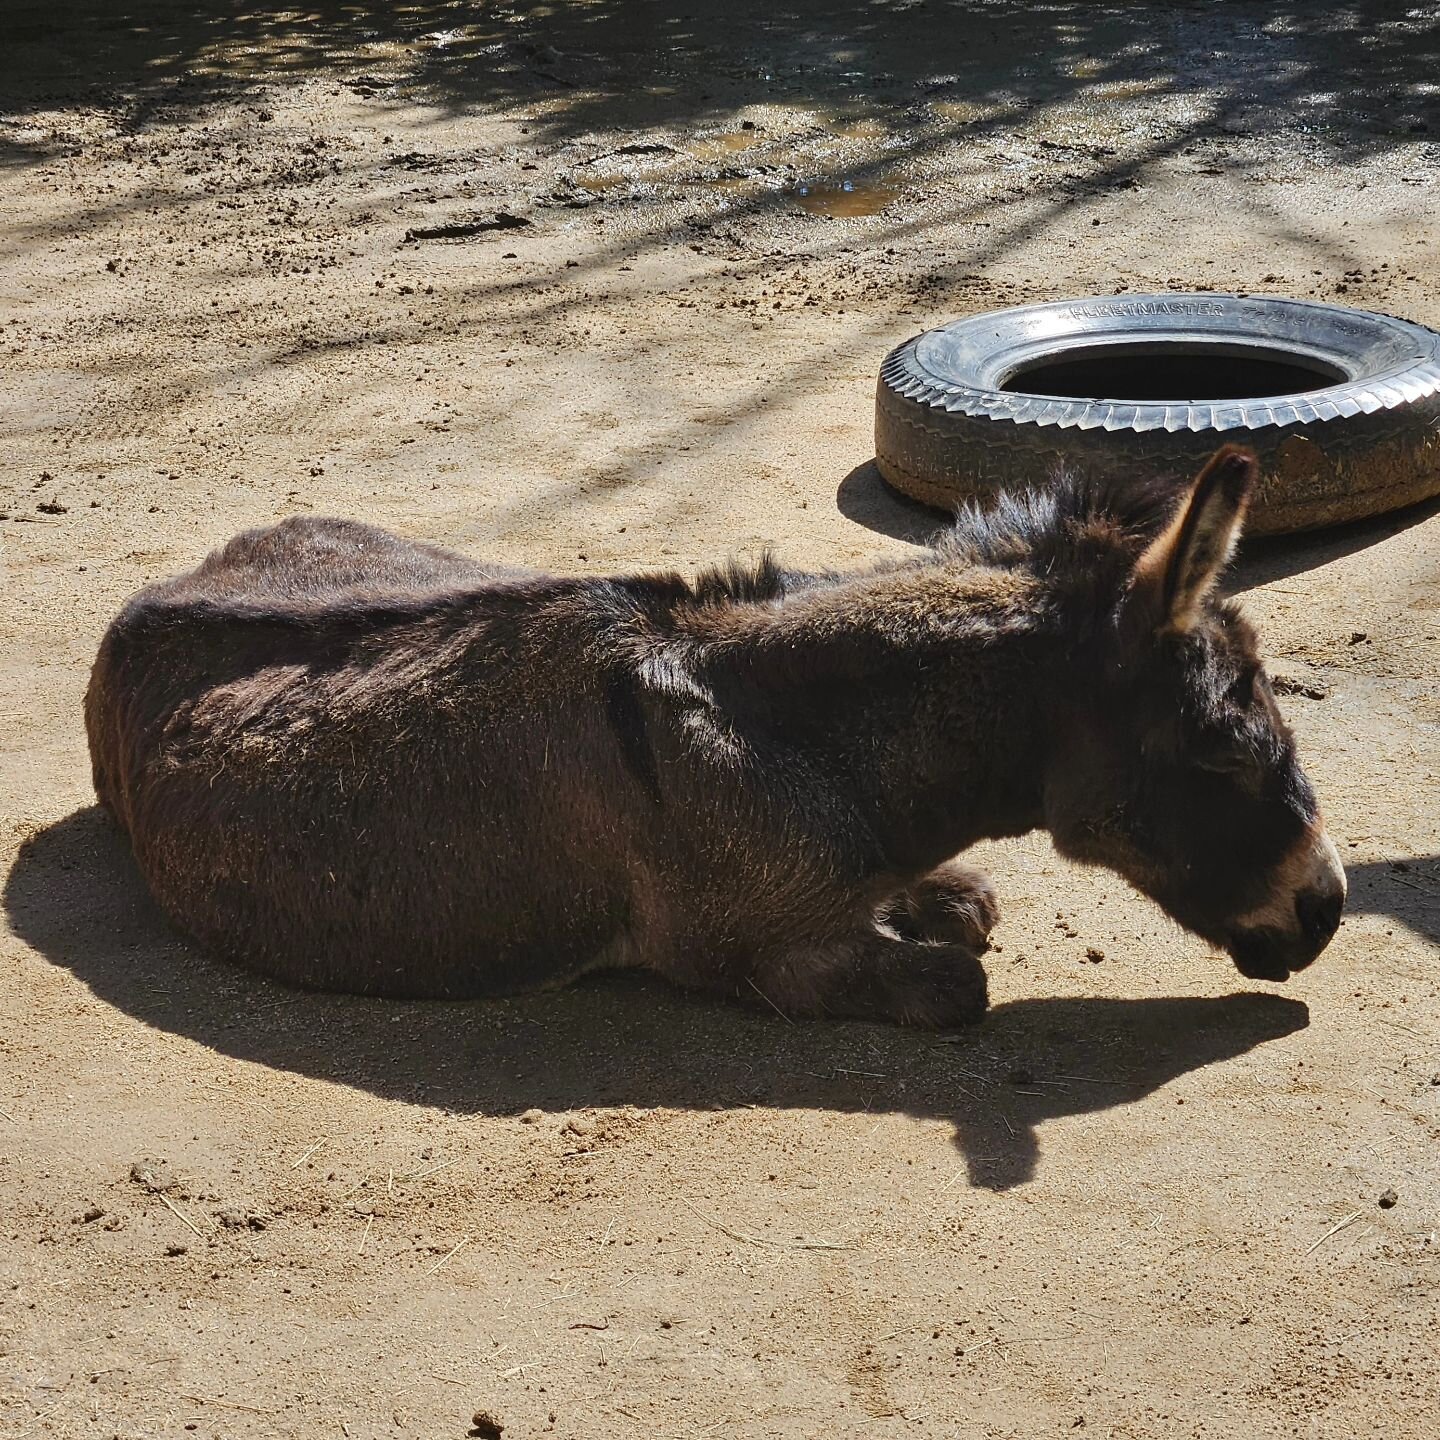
1144, 1199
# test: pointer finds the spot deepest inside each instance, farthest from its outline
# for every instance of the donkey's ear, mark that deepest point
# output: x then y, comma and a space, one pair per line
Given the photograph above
1180, 566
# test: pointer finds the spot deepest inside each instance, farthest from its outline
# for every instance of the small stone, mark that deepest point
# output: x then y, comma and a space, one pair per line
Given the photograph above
1021, 1076
174, 1250
1388, 1200
579, 1125
93, 1213
1358, 637
1094, 955
486, 1426
532, 1117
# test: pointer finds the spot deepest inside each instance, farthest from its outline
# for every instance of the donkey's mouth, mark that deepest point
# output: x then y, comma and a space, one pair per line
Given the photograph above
1266, 954
1274, 952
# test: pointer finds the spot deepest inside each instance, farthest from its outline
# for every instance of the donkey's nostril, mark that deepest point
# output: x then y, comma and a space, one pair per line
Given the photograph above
1319, 914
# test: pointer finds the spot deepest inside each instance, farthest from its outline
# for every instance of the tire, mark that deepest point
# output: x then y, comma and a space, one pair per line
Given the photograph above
1342, 406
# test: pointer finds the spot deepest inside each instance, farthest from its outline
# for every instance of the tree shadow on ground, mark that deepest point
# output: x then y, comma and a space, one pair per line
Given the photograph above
74, 895
941, 87
663, 63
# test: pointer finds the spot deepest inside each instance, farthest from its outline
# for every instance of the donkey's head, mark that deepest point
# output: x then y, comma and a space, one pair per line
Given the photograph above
1173, 765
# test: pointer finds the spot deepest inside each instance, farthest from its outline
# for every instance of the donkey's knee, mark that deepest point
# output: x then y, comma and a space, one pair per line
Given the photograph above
954, 903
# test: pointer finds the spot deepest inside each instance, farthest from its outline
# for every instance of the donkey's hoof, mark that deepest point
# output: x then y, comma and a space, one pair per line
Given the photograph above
947, 987
954, 904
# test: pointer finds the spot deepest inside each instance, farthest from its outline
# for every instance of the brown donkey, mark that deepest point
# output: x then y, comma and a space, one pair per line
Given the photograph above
360, 763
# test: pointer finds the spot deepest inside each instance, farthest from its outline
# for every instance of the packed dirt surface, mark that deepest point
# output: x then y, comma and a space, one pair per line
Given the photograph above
602, 286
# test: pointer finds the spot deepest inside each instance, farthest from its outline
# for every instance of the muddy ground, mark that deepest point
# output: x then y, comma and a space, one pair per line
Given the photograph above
1144, 1198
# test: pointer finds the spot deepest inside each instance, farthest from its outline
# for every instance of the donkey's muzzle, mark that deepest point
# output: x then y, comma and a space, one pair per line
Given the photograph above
1273, 954
1294, 927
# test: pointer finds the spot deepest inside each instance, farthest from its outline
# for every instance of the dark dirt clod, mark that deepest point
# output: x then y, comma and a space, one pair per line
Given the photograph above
174, 1250
235, 1219
485, 1426
1388, 1199
1022, 1076
462, 230
1289, 685
153, 1175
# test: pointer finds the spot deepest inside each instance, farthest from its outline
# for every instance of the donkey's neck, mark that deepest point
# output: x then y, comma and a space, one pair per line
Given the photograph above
925, 688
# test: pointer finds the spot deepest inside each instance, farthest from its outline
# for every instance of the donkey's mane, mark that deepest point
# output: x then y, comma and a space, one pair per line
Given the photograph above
1073, 529
738, 582
1059, 527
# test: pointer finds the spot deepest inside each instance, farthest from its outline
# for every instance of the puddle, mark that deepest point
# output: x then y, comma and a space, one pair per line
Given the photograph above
732, 144
599, 184
1131, 89
963, 112
718, 149
844, 199
859, 129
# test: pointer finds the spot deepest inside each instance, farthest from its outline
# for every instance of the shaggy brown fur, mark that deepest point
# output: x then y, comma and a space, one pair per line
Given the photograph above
360, 763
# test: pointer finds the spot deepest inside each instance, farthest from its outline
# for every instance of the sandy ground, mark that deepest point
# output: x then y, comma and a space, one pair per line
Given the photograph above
1143, 1199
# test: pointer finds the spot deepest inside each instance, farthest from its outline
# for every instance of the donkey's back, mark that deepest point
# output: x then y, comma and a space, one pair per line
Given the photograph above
319, 742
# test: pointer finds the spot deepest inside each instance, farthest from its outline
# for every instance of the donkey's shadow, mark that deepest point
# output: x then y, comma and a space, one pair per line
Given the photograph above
74, 894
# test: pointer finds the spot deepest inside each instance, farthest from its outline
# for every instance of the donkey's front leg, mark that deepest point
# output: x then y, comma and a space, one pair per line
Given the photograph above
879, 976
953, 902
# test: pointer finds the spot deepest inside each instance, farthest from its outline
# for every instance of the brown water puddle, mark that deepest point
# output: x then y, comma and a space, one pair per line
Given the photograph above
843, 199
599, 184
722, 146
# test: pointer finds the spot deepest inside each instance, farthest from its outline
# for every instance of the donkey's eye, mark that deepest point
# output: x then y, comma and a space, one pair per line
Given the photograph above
1248, 689
1224, 762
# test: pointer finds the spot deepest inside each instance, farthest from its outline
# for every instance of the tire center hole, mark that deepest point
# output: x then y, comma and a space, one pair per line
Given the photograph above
1178, 371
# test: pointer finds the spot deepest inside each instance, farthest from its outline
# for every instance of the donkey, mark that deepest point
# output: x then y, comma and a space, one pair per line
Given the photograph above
360, 763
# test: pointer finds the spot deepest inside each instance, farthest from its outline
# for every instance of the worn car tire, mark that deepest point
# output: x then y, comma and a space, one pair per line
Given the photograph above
1348, 424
